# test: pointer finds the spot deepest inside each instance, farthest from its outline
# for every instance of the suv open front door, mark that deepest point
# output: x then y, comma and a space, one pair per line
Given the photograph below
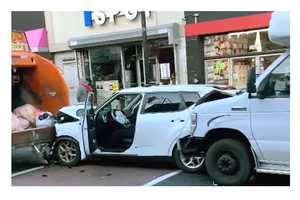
88, 125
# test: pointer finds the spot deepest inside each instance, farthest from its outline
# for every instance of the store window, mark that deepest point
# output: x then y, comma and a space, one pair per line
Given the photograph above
217, 71
106, 64
240, 43
240, 68
228, 57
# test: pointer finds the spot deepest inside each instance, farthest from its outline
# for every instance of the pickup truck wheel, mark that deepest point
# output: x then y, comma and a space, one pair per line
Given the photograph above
228, 162
67, 153
188, 163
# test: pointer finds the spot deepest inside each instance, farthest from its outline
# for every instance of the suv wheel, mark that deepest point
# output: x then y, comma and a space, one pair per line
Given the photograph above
188, 163
228, 162
67, 153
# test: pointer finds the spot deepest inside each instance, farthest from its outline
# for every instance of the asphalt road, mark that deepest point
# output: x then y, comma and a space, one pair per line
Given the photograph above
117, 172
23, 159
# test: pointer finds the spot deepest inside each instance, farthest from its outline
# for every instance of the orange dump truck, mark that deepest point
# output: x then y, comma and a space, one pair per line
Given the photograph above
35, 81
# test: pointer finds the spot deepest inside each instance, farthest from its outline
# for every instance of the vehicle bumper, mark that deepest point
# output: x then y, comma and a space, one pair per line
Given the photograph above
192, 145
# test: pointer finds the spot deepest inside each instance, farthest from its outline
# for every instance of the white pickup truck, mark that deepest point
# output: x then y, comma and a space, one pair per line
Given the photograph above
249, 132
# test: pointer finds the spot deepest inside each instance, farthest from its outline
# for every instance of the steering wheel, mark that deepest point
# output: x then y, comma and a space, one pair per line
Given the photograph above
123, 120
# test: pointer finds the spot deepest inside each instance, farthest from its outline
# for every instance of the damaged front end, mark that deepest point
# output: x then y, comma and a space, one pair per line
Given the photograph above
191, 146
196, 146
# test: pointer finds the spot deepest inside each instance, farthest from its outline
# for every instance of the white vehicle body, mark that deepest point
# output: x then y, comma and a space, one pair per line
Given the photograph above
256, 121
265, 122
155, 133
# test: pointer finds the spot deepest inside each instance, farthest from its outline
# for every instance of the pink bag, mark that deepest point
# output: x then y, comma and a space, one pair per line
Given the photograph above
27, 112
18, 124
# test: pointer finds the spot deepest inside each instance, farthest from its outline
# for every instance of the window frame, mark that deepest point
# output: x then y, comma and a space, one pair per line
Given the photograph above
100, 108
190, 92
263, 84
151, 93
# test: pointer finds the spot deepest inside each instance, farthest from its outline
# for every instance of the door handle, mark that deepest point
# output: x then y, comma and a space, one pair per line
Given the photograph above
180, 120
238, 108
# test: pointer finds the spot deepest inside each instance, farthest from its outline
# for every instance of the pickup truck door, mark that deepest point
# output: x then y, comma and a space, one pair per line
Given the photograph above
88, 126
270, 115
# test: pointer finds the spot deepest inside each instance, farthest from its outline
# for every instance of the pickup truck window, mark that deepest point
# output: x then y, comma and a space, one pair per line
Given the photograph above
278, 82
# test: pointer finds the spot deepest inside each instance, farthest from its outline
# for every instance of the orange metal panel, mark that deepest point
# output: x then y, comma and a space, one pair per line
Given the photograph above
44, 80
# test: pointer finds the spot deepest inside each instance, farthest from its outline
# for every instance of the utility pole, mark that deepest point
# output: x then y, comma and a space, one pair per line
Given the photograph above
145, 48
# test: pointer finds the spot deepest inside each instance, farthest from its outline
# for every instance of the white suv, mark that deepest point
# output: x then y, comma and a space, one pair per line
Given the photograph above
143, 121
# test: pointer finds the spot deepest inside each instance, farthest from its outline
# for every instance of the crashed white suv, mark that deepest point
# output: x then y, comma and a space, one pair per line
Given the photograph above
143, 121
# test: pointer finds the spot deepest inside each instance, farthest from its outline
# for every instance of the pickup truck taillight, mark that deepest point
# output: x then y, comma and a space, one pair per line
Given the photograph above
194, 123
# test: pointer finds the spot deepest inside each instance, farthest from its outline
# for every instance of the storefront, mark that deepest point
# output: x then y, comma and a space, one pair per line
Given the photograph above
110, 54
230, 47
116, 59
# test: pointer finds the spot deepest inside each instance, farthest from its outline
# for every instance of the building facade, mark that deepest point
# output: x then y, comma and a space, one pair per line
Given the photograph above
213, 47
32, 23
106, 48
223, 46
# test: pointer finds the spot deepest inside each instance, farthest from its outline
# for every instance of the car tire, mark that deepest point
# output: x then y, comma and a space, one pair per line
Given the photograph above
228, 162
196, 162
67, 153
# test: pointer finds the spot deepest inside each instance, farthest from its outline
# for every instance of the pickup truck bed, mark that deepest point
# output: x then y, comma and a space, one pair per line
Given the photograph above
33, 136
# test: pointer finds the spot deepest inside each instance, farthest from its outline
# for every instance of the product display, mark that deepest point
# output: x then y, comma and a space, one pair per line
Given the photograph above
228, 57
106, 89
217, 71
240, 68
225, 45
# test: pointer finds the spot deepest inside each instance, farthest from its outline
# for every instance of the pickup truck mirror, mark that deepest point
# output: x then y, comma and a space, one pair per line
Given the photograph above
261, 91
251, 87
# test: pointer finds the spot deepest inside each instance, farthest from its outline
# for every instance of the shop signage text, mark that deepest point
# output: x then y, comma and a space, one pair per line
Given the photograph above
101, 17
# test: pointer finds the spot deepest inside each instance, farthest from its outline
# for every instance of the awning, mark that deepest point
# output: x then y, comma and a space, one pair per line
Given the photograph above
171, 31
37, 40
228, 25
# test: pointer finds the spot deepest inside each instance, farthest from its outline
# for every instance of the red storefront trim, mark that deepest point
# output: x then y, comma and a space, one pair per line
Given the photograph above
228, 25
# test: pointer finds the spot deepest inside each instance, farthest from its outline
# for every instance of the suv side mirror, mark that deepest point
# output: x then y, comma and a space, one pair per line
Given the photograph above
251, 87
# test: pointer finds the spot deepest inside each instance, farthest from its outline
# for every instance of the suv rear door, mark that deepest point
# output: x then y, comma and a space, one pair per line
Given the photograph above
159, 123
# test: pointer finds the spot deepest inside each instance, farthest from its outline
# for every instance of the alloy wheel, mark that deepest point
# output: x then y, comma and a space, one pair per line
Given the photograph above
67, 151
191, 162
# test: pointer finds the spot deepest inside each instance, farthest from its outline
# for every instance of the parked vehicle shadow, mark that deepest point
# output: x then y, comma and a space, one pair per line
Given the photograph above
141, 162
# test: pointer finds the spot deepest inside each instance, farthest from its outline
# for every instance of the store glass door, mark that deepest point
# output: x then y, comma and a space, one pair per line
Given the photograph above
135, 69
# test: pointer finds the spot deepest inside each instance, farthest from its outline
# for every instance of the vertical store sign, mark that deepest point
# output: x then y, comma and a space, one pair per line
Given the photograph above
100, 17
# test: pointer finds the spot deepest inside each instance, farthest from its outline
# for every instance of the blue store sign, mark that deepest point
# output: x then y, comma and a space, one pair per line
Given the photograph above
100, 17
